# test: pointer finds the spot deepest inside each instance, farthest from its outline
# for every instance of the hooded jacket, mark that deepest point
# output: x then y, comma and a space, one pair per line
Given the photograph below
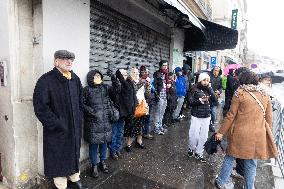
97, 111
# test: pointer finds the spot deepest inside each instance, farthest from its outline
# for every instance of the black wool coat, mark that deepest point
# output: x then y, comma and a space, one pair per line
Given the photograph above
57, 104
97, 113
127, 96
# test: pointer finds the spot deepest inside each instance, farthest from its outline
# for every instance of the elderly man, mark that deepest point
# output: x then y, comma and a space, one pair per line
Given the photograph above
58, 106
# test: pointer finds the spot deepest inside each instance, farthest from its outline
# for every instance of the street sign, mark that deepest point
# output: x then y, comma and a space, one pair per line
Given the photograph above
213, 61
234, 20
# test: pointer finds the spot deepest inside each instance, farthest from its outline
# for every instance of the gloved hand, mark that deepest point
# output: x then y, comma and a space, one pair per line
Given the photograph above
109, 73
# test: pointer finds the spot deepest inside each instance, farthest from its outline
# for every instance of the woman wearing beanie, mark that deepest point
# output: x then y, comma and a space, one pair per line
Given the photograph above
200, 100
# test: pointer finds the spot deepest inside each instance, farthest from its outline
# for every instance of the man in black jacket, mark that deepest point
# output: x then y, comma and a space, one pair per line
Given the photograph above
57, 102
216, 84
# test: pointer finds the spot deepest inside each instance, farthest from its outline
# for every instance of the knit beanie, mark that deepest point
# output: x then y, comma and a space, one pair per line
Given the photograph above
203, 76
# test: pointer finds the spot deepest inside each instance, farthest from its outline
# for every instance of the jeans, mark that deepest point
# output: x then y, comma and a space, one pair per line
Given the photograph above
160, 108
213, 114
249, 171
93, 152
180, 101
117, 136
147, 124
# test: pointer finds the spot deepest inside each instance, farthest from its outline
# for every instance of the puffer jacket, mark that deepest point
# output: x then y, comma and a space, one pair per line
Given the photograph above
198, 109
97, 112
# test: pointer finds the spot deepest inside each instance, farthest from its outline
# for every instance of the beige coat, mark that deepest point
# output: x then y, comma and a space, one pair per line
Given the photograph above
245, 127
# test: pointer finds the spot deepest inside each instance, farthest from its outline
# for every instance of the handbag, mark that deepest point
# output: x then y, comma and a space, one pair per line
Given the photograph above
141, 109
271, 148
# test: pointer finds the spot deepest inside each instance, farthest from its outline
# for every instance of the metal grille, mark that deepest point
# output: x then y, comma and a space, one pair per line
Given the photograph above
121, 42
278, 132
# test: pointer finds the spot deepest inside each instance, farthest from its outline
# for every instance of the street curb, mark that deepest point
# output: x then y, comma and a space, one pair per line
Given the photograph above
278, 178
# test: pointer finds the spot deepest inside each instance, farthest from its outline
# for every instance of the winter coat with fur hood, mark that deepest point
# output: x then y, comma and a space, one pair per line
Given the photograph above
245, 125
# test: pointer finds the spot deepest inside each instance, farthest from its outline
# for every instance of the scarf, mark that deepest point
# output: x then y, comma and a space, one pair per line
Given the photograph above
253, 88
68, 75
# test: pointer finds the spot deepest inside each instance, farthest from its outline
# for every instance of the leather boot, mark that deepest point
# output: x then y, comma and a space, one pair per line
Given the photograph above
103, 167
95, 173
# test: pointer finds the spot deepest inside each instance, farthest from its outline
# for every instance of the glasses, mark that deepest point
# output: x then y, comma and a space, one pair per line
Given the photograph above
67, 59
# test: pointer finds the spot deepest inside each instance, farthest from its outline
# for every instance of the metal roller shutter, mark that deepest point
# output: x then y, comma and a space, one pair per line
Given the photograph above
122, 42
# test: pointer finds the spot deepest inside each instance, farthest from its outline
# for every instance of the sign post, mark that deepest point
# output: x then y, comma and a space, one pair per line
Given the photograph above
213, 61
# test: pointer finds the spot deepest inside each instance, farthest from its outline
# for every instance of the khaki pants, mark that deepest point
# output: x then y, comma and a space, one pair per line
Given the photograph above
61, 182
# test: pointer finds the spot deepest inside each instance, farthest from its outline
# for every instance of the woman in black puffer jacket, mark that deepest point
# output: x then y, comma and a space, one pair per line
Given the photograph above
97, 116
202, 96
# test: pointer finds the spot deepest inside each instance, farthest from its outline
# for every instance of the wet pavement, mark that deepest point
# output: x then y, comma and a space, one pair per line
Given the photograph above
165, 164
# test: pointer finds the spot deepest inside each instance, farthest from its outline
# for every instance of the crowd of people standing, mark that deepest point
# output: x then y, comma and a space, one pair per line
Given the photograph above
136, 106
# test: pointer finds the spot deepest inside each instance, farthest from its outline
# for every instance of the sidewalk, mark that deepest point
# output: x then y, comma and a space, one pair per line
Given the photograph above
164, 164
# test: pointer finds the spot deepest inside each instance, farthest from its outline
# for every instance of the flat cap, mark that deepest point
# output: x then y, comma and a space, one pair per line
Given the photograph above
64, 54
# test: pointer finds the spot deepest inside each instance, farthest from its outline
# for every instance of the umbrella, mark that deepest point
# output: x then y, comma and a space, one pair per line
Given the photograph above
231, 66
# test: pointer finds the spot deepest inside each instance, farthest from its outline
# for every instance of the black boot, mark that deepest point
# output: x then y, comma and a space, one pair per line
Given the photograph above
77, 185
128, 148
138, 145
103, 167
95, 173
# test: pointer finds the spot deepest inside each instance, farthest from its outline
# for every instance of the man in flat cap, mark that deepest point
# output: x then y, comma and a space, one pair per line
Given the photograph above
58, 106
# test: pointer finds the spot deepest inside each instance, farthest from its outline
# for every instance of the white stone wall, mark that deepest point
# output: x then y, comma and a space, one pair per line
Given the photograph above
7, 143
66, 25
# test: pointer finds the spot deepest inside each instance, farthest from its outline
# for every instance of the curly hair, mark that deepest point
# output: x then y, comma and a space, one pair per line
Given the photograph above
248, 77
240, 70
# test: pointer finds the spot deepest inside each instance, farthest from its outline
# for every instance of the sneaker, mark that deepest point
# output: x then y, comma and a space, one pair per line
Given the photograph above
200, 158
114, 156
217, 185
164, 130
103, 167
118, 153
182, 116
190, 153
236, 175
160, 133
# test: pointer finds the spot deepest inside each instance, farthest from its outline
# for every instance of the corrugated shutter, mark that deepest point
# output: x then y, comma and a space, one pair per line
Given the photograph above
122, 42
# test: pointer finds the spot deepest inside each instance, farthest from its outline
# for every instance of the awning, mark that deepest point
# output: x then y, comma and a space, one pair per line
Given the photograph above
214, 37
182, 11
200, 34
